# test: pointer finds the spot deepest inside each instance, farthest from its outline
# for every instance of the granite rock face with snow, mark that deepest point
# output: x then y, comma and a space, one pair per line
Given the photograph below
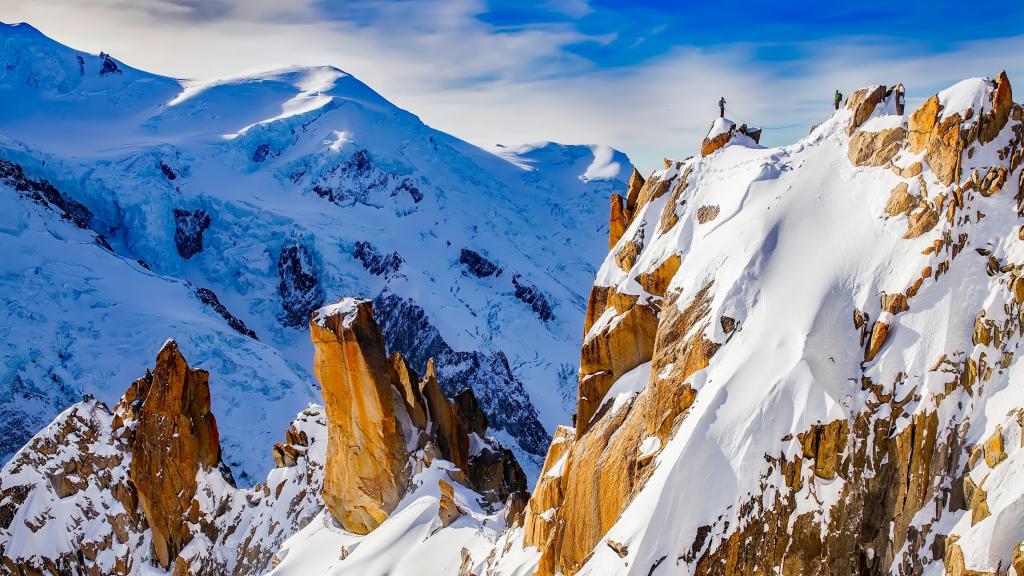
137, 207
805, 360
141, 489
380, 413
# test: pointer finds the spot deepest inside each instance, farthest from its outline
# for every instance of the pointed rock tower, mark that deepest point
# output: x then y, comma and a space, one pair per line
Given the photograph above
175, 436
367, 453
382, 418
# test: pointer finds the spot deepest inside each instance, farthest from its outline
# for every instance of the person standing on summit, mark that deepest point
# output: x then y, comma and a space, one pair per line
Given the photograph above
838, 99
721, 107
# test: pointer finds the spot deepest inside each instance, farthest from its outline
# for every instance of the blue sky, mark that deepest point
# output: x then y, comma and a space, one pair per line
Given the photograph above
642, 76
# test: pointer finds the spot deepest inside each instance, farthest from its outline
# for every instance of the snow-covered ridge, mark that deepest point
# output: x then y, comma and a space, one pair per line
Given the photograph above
831, 331
228, 211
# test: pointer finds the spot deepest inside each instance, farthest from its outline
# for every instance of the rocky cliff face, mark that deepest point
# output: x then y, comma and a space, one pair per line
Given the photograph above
366, 450
175, 436
141, 487
408, 330
383, 419
764, 391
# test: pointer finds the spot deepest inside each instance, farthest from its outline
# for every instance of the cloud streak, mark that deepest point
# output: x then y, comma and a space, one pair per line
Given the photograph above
535, 71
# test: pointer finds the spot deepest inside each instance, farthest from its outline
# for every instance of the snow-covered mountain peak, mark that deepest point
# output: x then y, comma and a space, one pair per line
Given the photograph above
232, 209
601, 162
46, 82
51, 67
43, 69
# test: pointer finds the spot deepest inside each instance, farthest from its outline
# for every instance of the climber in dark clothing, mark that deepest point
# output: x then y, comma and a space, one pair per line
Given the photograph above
838, 99
721, 107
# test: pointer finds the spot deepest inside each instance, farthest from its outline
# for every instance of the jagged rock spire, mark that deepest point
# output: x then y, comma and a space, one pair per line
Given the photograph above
380, 413
367, 454
175, 435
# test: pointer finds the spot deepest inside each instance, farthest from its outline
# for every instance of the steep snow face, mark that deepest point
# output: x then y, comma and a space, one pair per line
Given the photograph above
836, 298
268, 197
796, 245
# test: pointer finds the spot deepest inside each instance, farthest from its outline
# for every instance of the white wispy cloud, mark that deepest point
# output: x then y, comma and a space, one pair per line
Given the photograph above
490, 84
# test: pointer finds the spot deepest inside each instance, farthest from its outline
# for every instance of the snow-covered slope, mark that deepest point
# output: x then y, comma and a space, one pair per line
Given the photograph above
227, 211
815, 351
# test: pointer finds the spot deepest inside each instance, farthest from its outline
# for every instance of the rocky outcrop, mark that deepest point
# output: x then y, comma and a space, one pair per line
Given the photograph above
943, 136
109, 65
367, 454
993, 121
612, 347
477, 265
862, 103
209, 297
633, 188
170, 410
656, 282
939, 139
44, 193
447, 511
189, 226
142, 488
875, 148
617, 222
170, 173
547, 498
359, 180
716, 142
446, 425
900, 200
534, 298
706, 214
373, 410
376, 263
408, 330
724, 131
261, 153
495, 473
298, 285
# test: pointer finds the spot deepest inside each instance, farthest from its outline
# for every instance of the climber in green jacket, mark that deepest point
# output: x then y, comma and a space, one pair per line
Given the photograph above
838, 98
